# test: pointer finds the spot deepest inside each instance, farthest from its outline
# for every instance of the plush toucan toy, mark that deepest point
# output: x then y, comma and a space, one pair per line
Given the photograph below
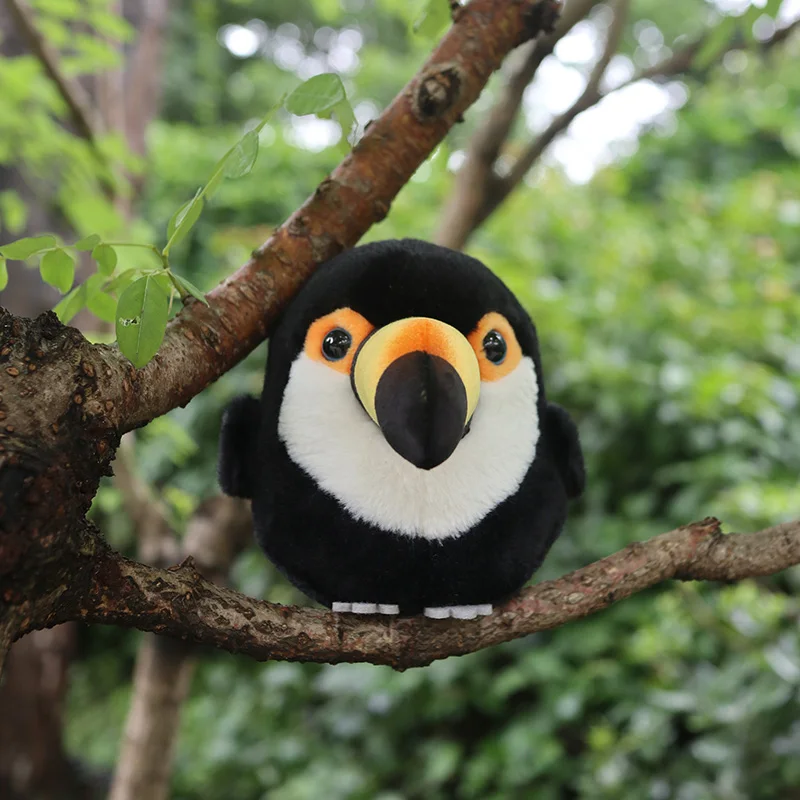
403, 457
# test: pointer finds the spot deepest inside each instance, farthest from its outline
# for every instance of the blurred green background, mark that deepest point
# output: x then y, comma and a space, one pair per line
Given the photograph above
657, 248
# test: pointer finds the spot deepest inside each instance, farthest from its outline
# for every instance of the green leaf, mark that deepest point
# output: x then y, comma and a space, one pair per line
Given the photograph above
141, 320
13, 211
347, 119
88, 242
122, 281
106, 257
3, 274
58, 269
189, 288
25, 248
183, 220
163, 279
102, 306
240, 160
432, 19
71, 304
239, 154
316, 95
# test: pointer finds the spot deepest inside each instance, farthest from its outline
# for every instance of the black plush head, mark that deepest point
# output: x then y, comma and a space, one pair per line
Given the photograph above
403, 415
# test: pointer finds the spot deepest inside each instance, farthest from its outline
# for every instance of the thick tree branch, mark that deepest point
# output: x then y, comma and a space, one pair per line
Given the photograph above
78, 102
181, 604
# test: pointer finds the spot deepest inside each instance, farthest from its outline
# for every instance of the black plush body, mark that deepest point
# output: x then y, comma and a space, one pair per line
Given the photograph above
310, 535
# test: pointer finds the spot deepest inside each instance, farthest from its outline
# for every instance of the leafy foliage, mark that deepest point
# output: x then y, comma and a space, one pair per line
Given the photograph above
142, 313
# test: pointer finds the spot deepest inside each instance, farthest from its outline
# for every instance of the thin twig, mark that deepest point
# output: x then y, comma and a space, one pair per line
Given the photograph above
676, 64
78, 101
155, 539
590, 96
476, 178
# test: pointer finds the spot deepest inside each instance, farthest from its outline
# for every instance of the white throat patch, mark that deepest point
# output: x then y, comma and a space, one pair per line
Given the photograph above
329, 435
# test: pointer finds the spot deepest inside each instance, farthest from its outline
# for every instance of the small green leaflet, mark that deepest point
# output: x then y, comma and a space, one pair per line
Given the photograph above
240, 160
25, 248
88, 242
183, 219
3, 273
432, 19
58, 269
122, 281
71, 304
347, 119
142, 314
324, 95
187, 287
102, 306
317, 95
106, 257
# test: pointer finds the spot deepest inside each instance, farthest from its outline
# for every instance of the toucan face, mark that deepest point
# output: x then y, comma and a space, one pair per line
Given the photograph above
413, 400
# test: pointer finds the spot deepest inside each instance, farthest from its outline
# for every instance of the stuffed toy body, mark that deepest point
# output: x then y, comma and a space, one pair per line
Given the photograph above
403, 457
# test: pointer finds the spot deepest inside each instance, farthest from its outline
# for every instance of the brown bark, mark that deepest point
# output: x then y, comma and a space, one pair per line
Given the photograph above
219, 530
64, 402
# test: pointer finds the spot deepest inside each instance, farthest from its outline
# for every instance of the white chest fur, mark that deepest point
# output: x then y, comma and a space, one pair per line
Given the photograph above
329, 435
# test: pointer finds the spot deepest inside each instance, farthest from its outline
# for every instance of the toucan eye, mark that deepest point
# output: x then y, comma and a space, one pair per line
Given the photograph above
494, 347
336, 344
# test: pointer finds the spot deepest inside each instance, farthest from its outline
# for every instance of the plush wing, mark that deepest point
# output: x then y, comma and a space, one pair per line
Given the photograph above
565, 449
237, 441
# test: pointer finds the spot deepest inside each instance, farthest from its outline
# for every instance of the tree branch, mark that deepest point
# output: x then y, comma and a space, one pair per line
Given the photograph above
678, 63
156, 541
181, 604
78, 101
590, 96
476, 178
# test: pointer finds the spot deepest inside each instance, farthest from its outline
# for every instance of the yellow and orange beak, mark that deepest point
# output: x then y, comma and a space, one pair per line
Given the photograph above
419, 380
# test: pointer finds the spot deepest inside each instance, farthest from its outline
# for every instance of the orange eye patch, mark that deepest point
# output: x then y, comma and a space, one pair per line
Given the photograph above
343, 319
491, 371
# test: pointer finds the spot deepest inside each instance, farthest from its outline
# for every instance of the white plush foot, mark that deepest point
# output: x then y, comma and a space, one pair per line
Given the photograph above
458, 612
364, 608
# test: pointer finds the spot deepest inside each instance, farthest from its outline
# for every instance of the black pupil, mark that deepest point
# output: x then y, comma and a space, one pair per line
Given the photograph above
336, 344
494, 347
